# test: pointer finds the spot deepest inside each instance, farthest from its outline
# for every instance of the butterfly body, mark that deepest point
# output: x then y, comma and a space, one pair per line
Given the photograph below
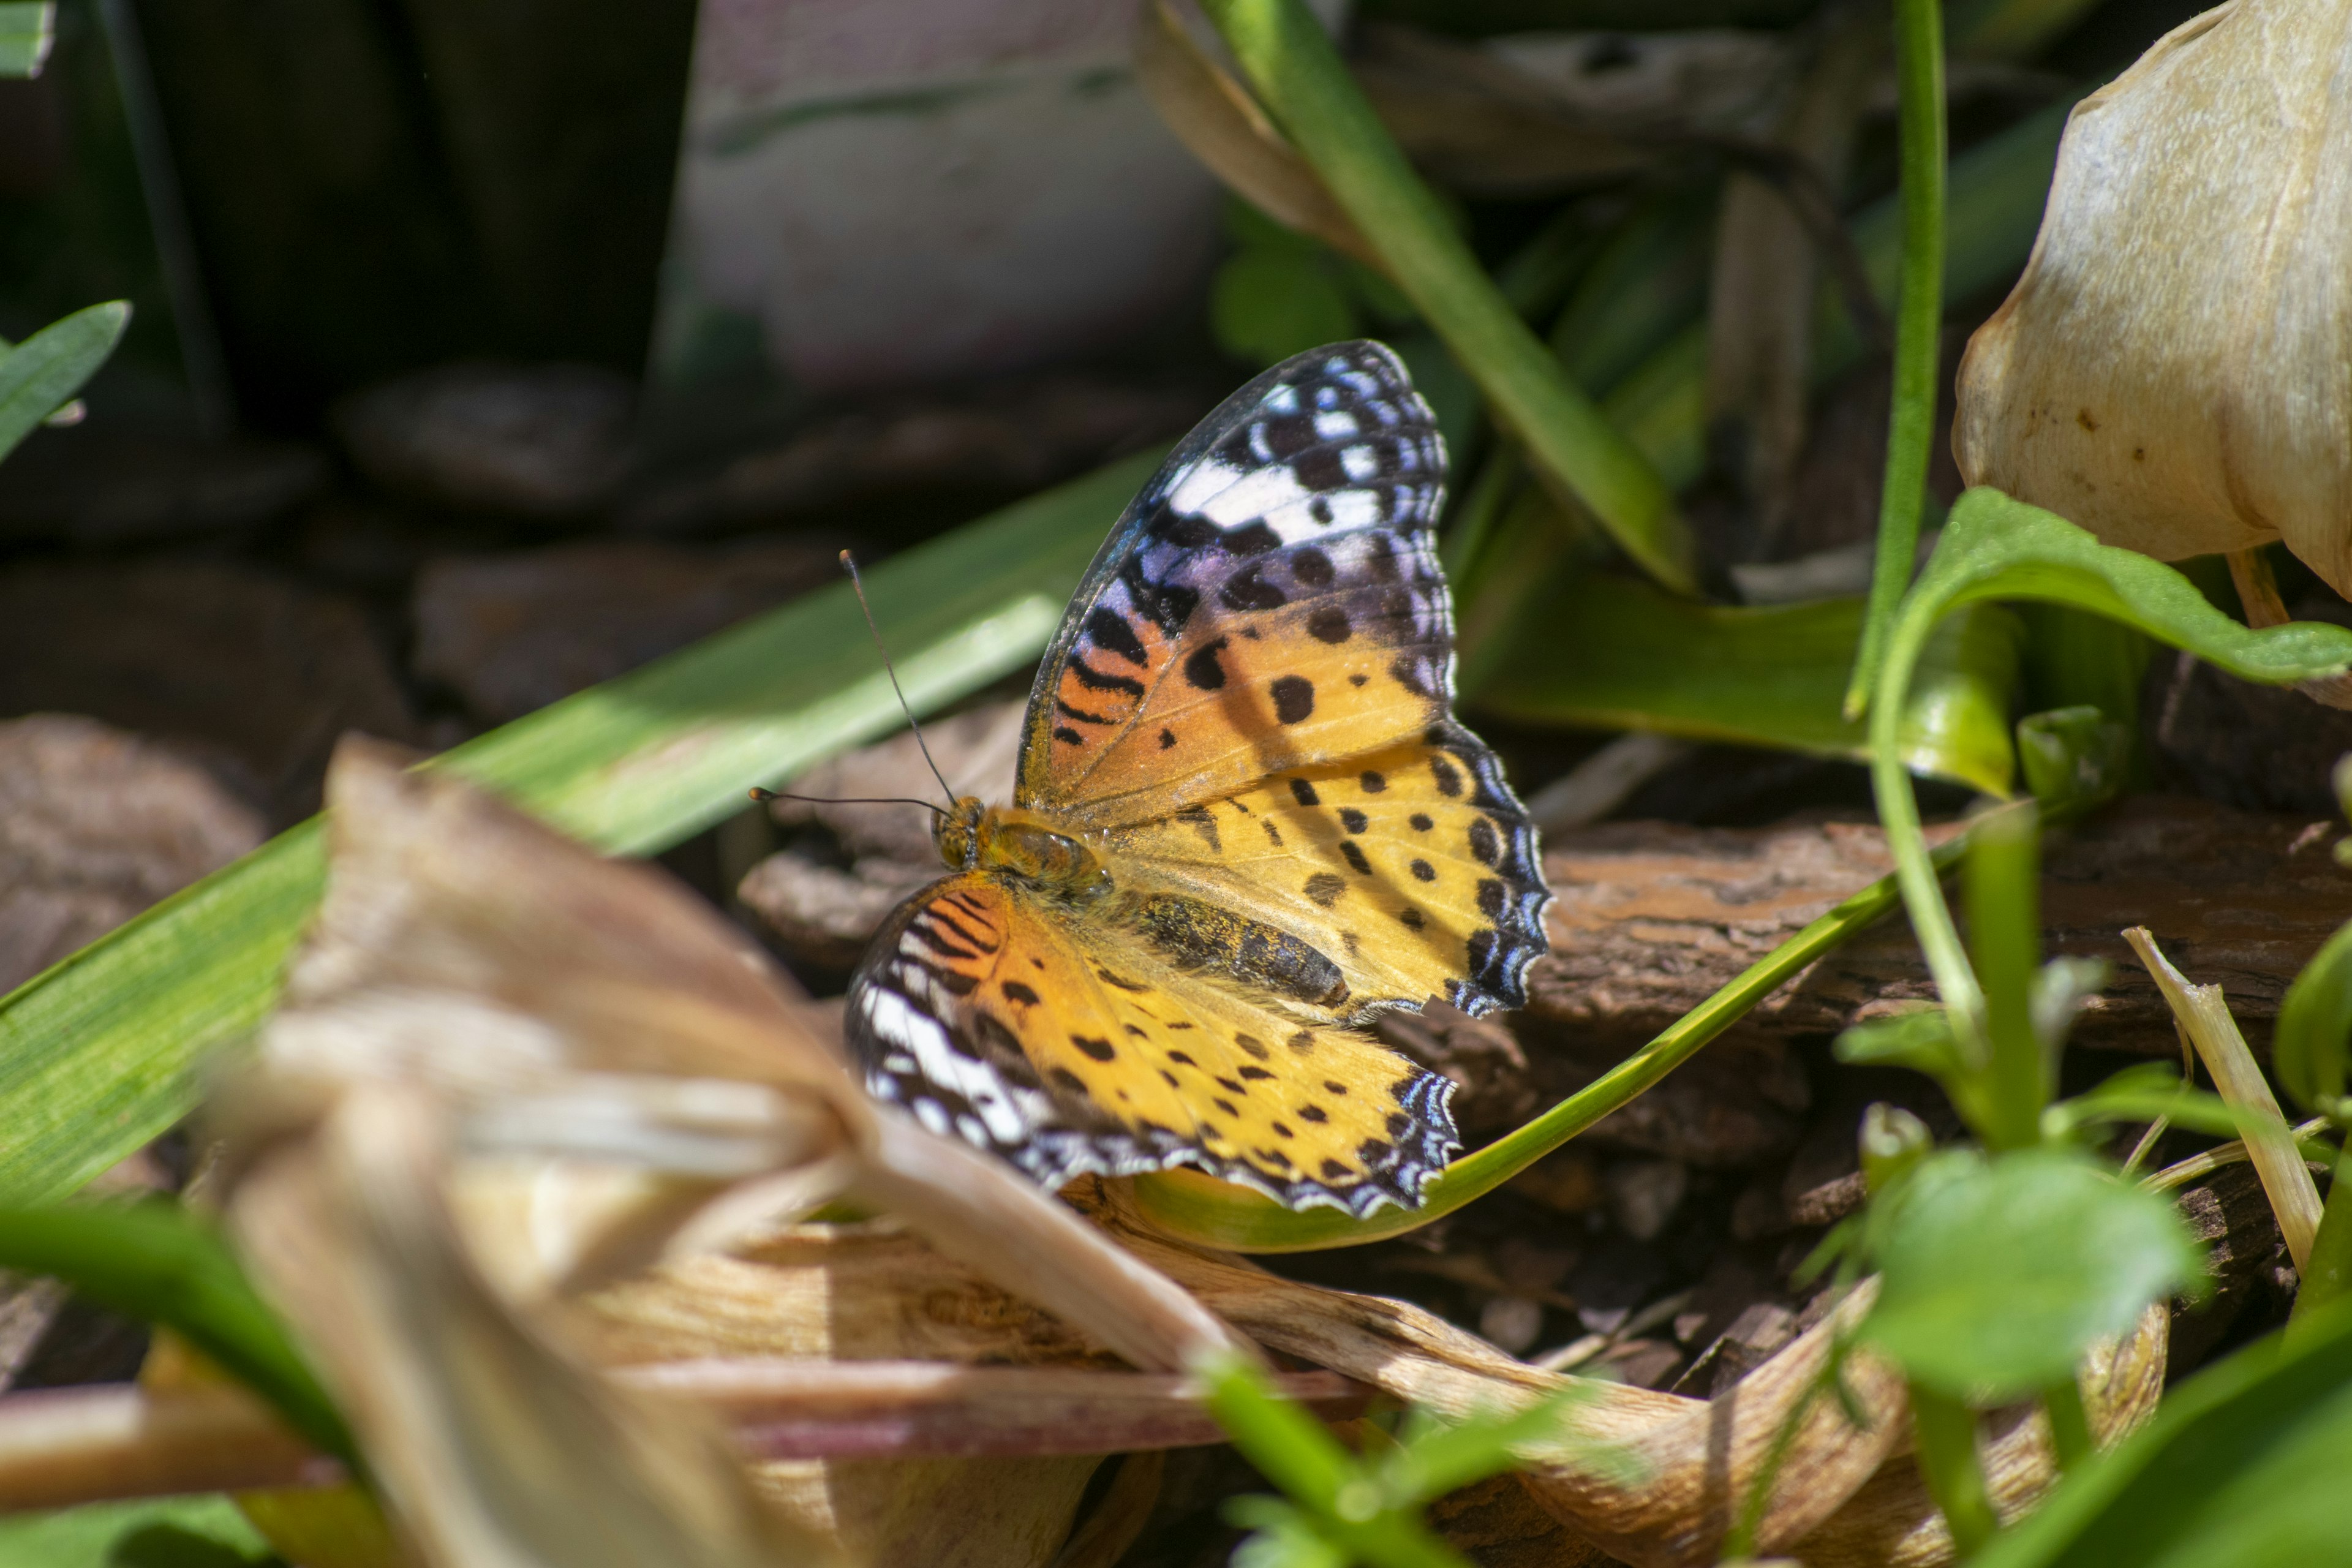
1244, 824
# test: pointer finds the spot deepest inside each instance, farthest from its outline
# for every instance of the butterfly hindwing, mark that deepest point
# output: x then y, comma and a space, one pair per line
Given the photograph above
1067, 1049
1412, 868
1271, 599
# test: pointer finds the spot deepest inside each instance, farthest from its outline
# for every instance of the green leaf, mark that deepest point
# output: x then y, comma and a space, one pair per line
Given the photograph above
2314, 1026
2241, 1467
1445, 1455
1996, 1276
1994, 548
26, 33
40, 373
1297, 74
2074, 753
1621, 655
105, 1050
160, 1533
155, 1261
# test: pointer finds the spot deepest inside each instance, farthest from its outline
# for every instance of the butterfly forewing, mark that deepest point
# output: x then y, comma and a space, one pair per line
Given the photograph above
1247, 716
1271, 600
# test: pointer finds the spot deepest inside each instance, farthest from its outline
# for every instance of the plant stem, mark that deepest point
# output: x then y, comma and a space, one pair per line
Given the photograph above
1300, 78
2070, 1424
1919, 323
1215, 1214
1946, 1433
2328, 1270
2005, 936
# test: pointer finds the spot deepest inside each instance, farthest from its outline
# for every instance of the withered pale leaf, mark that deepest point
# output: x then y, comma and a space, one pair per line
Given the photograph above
2173, 370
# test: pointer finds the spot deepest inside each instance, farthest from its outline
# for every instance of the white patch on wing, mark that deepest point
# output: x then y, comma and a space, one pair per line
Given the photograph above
1336, 426
1250, 496
1207, 478
1361, 464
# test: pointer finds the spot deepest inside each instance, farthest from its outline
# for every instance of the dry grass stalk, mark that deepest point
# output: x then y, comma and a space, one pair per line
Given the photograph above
1216, 118
2204, 1017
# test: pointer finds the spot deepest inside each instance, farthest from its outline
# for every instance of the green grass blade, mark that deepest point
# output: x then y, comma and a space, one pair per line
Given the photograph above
39, 374
1302, 81
1918, 331
2241, 1467
26, 33
1624, 656
163, 1532
157, 1262
107, 1048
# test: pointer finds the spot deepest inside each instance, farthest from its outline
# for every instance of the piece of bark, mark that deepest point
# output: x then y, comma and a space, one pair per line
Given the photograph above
1653, 918
2263, 748
253, 674
513, 632
539, 440
100, 488
95, 825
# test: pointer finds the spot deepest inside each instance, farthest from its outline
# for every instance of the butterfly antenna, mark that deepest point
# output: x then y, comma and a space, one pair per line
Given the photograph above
765, 796
849, 564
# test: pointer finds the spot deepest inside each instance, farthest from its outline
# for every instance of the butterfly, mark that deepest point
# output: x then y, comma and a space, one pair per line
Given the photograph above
1245, 823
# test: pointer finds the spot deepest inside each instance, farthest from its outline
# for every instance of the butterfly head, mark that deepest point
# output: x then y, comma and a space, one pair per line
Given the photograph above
973, 837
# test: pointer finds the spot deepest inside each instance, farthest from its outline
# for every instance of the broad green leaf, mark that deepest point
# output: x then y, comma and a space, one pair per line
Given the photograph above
163, 1532
1994, 548
2243, 1467
155, 1261
26, 33
1996, 1276
2314, 1026
1295, 72
1621, 655
39, 374
106, 1049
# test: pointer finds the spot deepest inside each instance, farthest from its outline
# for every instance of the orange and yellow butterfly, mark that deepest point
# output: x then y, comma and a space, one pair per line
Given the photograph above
1245, 823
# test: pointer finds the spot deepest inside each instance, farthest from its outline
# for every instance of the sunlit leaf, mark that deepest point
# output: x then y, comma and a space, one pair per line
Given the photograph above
102, 1052
156, 1262
1997, 1276
163, 1532
2241, 1467
40, 373
1621, 655
26, 33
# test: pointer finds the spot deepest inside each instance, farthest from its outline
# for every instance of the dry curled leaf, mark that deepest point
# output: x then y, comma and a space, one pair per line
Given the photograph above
2170, 371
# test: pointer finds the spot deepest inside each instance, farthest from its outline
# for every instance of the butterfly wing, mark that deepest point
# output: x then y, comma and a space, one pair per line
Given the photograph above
1251, 695
1060, 1044
1271, 600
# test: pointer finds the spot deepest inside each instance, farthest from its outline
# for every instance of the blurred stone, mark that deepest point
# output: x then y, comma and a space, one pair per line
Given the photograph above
512, 633
1613, 1280
94, 488
96, 826
1644, 1194
1008, 438
823, 915
543, 440
1567, 1182
252, 676
1511, 1324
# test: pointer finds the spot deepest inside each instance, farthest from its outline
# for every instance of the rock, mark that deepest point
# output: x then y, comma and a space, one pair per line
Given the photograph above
1644, 1194
1651, 918
253, 676
1009, 437
1511, 1324
513, 632
96, 826
542, 441
823, 915
2260, 748
1612, 1281
96, 488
